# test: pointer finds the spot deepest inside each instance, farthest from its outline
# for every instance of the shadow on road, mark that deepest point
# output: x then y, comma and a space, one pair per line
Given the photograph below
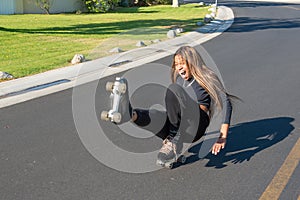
247, 24
247, 139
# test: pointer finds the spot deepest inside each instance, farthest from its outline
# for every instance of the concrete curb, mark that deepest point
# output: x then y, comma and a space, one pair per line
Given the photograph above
27, 88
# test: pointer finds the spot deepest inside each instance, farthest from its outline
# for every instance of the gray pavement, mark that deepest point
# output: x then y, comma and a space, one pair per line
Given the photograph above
43, 157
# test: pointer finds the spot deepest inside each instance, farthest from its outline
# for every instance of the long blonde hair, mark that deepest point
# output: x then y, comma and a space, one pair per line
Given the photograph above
202, 74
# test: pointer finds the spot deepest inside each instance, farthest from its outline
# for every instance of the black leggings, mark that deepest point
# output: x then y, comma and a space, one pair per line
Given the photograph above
183, 114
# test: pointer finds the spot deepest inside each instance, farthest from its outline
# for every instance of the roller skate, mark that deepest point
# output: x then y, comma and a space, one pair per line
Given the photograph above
120, 111
171, 152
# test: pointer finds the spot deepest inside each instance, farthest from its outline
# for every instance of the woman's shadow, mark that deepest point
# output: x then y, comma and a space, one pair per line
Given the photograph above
245, 140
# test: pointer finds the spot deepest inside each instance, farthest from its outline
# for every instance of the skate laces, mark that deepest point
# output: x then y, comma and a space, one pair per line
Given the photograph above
168, 146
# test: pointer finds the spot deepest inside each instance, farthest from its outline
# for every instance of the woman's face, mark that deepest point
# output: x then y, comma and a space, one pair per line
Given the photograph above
181, 67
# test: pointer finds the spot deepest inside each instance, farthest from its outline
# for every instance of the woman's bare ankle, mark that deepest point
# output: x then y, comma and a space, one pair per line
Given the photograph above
134, 116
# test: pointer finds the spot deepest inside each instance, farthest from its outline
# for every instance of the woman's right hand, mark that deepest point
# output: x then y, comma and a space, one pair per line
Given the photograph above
219, 145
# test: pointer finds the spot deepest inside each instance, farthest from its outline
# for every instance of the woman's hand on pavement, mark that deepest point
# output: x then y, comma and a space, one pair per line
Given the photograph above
220, 144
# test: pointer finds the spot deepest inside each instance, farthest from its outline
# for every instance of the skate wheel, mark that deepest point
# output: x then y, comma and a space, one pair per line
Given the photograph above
159, 163
169, 165
117, 117
109, 86
122, 88
182, 159
104, 116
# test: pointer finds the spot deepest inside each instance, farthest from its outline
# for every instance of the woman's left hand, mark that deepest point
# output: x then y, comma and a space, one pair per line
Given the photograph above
220, 144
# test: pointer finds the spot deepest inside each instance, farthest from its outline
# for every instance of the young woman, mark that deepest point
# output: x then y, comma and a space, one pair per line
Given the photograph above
191, 100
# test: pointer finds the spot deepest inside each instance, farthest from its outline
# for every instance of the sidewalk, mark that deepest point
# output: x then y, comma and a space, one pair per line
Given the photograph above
24, 89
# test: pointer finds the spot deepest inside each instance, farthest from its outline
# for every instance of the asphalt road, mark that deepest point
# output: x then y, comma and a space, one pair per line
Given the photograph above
42, 156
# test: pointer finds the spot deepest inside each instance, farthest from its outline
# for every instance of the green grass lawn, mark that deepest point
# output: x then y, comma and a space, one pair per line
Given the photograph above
35, 43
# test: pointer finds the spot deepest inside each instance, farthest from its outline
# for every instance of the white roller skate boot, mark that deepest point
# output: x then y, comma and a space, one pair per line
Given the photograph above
170, 152
121, 108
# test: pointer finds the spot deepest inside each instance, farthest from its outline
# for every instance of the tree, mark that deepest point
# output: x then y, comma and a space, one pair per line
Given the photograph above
175, 3
45, 5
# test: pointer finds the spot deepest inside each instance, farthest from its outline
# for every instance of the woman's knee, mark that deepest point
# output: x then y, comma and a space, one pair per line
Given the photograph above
175, 88
174, 91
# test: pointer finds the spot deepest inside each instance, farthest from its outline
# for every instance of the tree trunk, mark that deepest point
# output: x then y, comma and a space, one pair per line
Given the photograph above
175, 3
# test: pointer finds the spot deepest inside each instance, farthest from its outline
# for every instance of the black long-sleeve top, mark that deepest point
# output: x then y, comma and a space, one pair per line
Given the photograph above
197, 92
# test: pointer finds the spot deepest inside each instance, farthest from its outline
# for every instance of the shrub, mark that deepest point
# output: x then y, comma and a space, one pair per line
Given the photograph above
127, 3
164, 2
100, 5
